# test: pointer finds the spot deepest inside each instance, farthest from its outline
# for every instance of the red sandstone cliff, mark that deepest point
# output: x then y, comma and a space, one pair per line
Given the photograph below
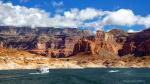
137, 44
106, 42
103, 41
55, 42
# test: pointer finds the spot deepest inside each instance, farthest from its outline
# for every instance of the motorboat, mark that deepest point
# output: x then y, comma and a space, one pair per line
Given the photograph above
43, 69
112, 71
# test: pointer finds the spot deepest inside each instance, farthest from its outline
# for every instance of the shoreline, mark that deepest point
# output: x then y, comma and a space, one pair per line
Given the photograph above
84, 68
17, 60
69, 66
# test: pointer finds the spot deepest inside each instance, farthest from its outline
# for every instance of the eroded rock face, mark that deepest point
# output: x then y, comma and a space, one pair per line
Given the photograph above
57, 42
137, 44
120, 36
53, 42
1, 44
64, 46
82, 45
26, 37
105, 41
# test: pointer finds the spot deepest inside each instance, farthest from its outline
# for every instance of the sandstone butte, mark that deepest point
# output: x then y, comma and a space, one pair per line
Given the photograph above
80, 49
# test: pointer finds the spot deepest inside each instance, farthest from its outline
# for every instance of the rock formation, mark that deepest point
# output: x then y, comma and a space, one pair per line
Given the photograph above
137, 44
1, 44
64, 42
82, 45
53, 42
105, 42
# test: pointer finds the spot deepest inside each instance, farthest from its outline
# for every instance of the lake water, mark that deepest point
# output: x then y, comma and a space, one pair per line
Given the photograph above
77, 76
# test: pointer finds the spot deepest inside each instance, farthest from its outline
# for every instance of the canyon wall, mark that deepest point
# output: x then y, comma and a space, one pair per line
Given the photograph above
52, 42
105, 41
137, 44
64, 42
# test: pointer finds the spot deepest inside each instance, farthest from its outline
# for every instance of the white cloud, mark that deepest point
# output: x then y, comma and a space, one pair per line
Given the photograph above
144, 21
61, 21
90, 13
125, 17
121, 17
23, 16
132, 31
98, 25
85, 14
57, 4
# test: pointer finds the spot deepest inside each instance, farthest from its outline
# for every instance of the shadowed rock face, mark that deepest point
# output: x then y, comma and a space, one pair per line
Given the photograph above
82, 45
137, 44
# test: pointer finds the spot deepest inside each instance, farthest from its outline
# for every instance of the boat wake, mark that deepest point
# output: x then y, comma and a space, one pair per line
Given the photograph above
36, 73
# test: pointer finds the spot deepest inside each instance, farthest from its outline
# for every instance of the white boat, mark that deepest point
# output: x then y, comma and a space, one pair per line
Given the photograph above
112, 71
43, 69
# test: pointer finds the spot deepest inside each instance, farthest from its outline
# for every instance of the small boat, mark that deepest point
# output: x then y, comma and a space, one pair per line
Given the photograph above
112, 71
43, 69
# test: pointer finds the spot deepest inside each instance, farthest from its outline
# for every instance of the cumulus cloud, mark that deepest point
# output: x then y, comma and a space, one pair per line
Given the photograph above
124, 17
132, 31
98, 25
88, 17
61, 21
57, 4
144, 21
22, 16
88, 13
121, 17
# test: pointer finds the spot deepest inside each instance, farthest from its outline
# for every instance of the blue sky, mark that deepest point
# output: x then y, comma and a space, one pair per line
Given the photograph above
140, 7
55, 7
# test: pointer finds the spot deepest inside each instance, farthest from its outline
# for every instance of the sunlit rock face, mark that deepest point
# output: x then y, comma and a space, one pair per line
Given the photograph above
137, 44
1, 44
64, 42
46, 41
119, 35
41, 45
105, 42
62, 46
56, 42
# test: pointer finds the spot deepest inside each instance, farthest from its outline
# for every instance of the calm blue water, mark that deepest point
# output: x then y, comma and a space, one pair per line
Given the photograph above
77, 76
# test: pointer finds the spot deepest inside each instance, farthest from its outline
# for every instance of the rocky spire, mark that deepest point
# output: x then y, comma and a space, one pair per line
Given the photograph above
100, 35
1, 44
